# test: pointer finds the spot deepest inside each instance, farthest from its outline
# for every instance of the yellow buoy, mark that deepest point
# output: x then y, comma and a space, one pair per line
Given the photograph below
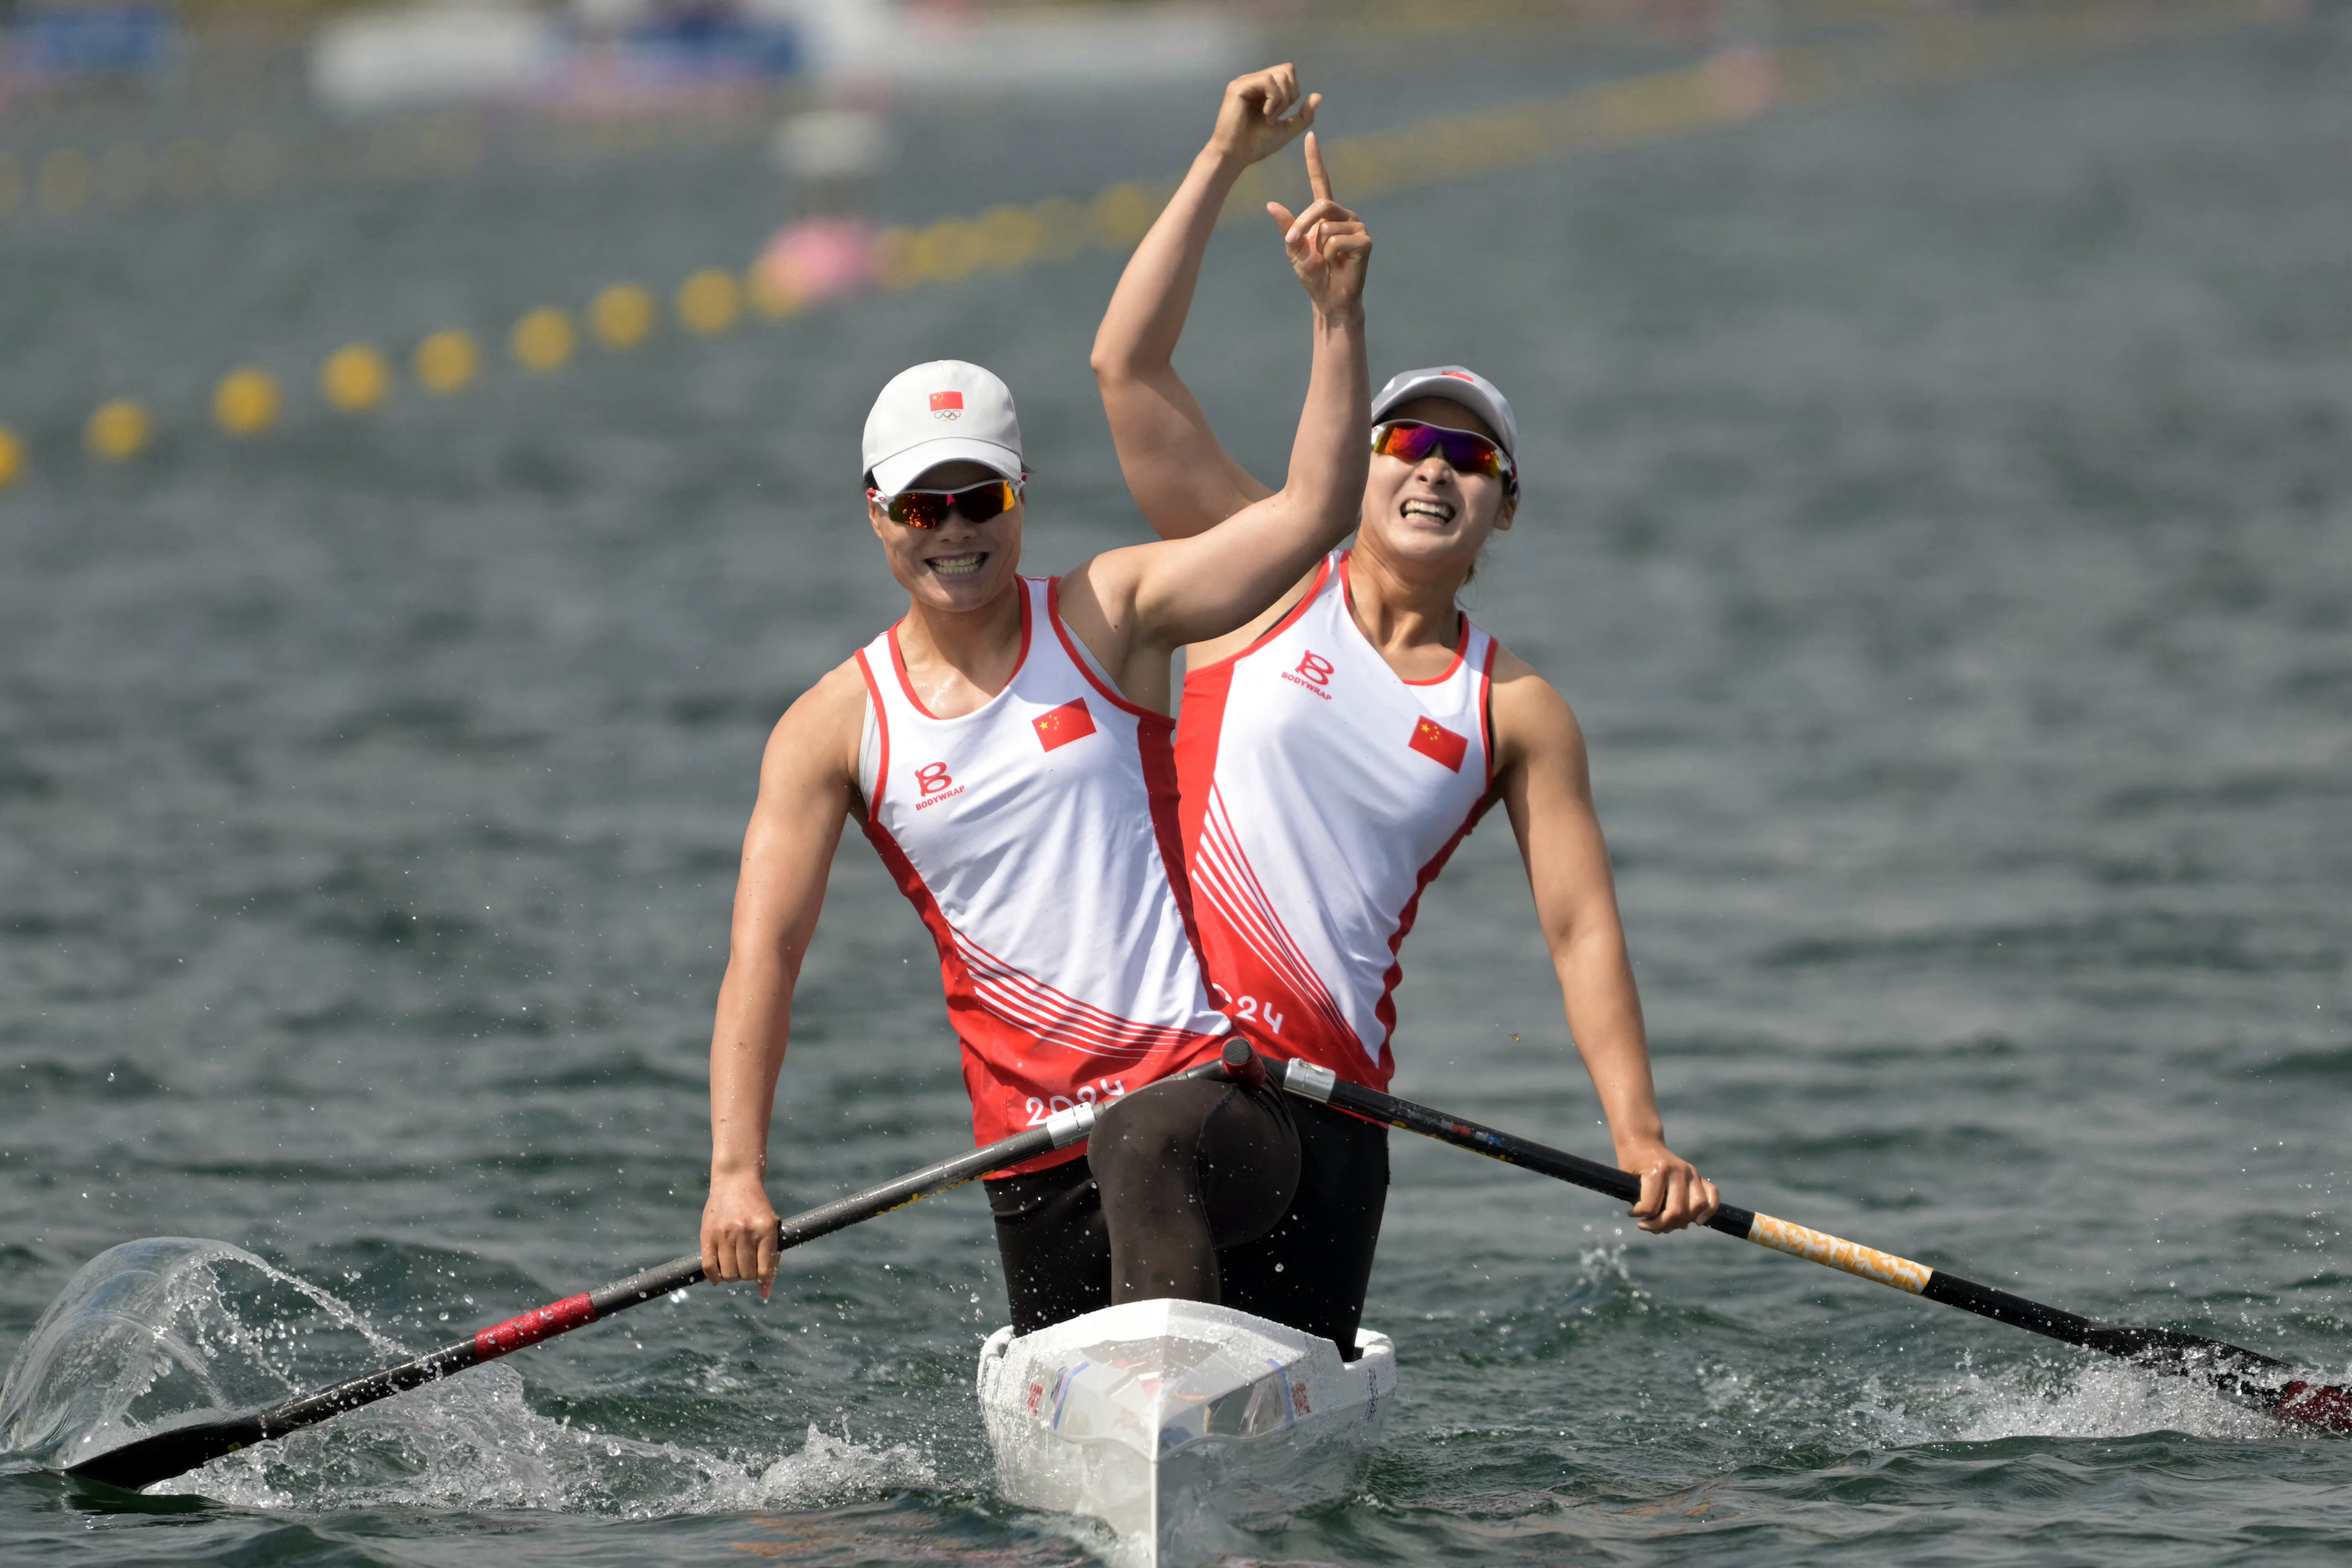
1064, 227
245, 402
622, 315
951, 248
64, 179
355, 378
12, 457
709, 301
446, 361
1014, 236
898, 258
771, 297
1122, 215
543, 339
119, 429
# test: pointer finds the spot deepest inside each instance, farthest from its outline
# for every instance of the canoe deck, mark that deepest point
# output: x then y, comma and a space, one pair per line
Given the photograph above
1174, 1422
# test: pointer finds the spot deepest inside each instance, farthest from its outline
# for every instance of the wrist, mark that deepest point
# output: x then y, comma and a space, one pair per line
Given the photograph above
1220, 164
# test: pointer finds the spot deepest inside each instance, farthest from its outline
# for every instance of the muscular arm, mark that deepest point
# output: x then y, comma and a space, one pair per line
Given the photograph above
1180, 477
807, 783
1135, 607
1547, 788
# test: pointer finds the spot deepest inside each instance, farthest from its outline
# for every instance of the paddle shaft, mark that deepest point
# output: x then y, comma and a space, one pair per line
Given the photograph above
178, 1449
2235, 1370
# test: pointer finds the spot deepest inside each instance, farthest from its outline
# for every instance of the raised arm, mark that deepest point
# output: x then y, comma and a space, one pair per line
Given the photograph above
807, 783
1136, 606
1547, 789
1182, 479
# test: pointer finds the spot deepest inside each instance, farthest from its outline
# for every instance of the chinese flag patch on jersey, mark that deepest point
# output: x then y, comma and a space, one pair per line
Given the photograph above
1434, 741
1071, 721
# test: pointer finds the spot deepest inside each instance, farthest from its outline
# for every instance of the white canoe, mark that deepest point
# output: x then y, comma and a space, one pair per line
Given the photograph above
1174, 1421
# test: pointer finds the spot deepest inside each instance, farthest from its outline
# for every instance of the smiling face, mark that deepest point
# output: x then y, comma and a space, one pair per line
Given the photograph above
961, 565
1425, 519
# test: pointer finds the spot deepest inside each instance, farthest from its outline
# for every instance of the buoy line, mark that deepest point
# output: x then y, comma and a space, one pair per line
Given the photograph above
1729, 87
71, 178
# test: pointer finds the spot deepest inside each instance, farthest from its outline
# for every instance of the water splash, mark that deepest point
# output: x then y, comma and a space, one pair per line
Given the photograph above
166, 1329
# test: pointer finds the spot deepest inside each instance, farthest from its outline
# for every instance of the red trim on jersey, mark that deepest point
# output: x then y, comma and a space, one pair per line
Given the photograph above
898, 662
1322, 575
1049, 1013
1461, 646
882, 727
1070, 647
1229, 881
1461, 631
1486, 703
1161, 772
1199, 727
1386, 1009
965, 1011
1162, 786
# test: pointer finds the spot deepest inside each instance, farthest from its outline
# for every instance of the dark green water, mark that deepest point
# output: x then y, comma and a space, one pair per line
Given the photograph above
1938, 514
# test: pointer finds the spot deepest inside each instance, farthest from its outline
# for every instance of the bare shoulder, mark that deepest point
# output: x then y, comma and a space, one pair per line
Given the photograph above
1534, 725
819, 734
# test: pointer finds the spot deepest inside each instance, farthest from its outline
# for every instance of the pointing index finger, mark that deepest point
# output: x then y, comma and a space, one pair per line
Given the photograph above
1317, 176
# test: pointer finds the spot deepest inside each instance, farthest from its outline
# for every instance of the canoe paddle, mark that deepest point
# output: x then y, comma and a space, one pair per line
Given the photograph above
174, 1450
2259, 1381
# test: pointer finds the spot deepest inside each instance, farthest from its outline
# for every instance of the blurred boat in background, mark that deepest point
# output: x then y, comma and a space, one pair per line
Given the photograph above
598, 51
47, 46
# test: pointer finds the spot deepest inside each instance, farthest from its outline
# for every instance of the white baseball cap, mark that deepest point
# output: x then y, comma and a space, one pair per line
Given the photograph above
1467, 388
943, 412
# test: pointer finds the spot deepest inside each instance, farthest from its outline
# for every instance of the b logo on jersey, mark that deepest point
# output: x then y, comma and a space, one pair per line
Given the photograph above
935, 784
1060, 726
1435, 742
1313, 672
947, 405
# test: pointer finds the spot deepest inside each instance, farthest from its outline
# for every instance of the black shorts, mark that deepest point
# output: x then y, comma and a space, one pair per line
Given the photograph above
1309, 1270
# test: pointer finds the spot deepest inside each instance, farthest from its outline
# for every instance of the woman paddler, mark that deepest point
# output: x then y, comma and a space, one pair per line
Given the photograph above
1006, 748
1332, 752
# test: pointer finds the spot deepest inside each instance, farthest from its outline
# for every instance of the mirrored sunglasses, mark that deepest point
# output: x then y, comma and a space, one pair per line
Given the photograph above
1412, 441
929, 509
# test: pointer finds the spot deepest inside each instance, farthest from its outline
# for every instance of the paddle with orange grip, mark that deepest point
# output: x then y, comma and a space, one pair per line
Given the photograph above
2262, 1383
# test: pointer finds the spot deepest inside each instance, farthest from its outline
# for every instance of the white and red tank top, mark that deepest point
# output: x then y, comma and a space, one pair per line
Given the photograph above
1321, 793
1036, 835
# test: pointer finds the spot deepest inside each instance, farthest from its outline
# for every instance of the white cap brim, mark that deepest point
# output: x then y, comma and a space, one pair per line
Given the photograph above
896, 472
1479, 398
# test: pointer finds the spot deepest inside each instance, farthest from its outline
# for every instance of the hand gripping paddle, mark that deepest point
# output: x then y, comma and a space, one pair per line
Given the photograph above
2259, 1381
175, 1450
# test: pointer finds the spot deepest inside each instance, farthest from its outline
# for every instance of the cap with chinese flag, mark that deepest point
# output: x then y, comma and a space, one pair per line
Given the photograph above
1060, 726
1434, 741
943, 412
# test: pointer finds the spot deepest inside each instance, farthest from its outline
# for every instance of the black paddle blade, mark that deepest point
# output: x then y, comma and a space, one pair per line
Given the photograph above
2246, 1376
174, 1451
2183, 1355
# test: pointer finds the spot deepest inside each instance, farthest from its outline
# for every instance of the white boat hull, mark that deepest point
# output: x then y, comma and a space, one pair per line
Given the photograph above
1174, 1421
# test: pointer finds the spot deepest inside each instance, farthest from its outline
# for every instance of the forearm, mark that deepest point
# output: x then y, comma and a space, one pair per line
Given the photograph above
747, 1052
1146, 319
1604, 1018
1324, 485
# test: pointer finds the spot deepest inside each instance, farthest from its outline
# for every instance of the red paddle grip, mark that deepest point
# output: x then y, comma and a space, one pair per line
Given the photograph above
540, 1322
